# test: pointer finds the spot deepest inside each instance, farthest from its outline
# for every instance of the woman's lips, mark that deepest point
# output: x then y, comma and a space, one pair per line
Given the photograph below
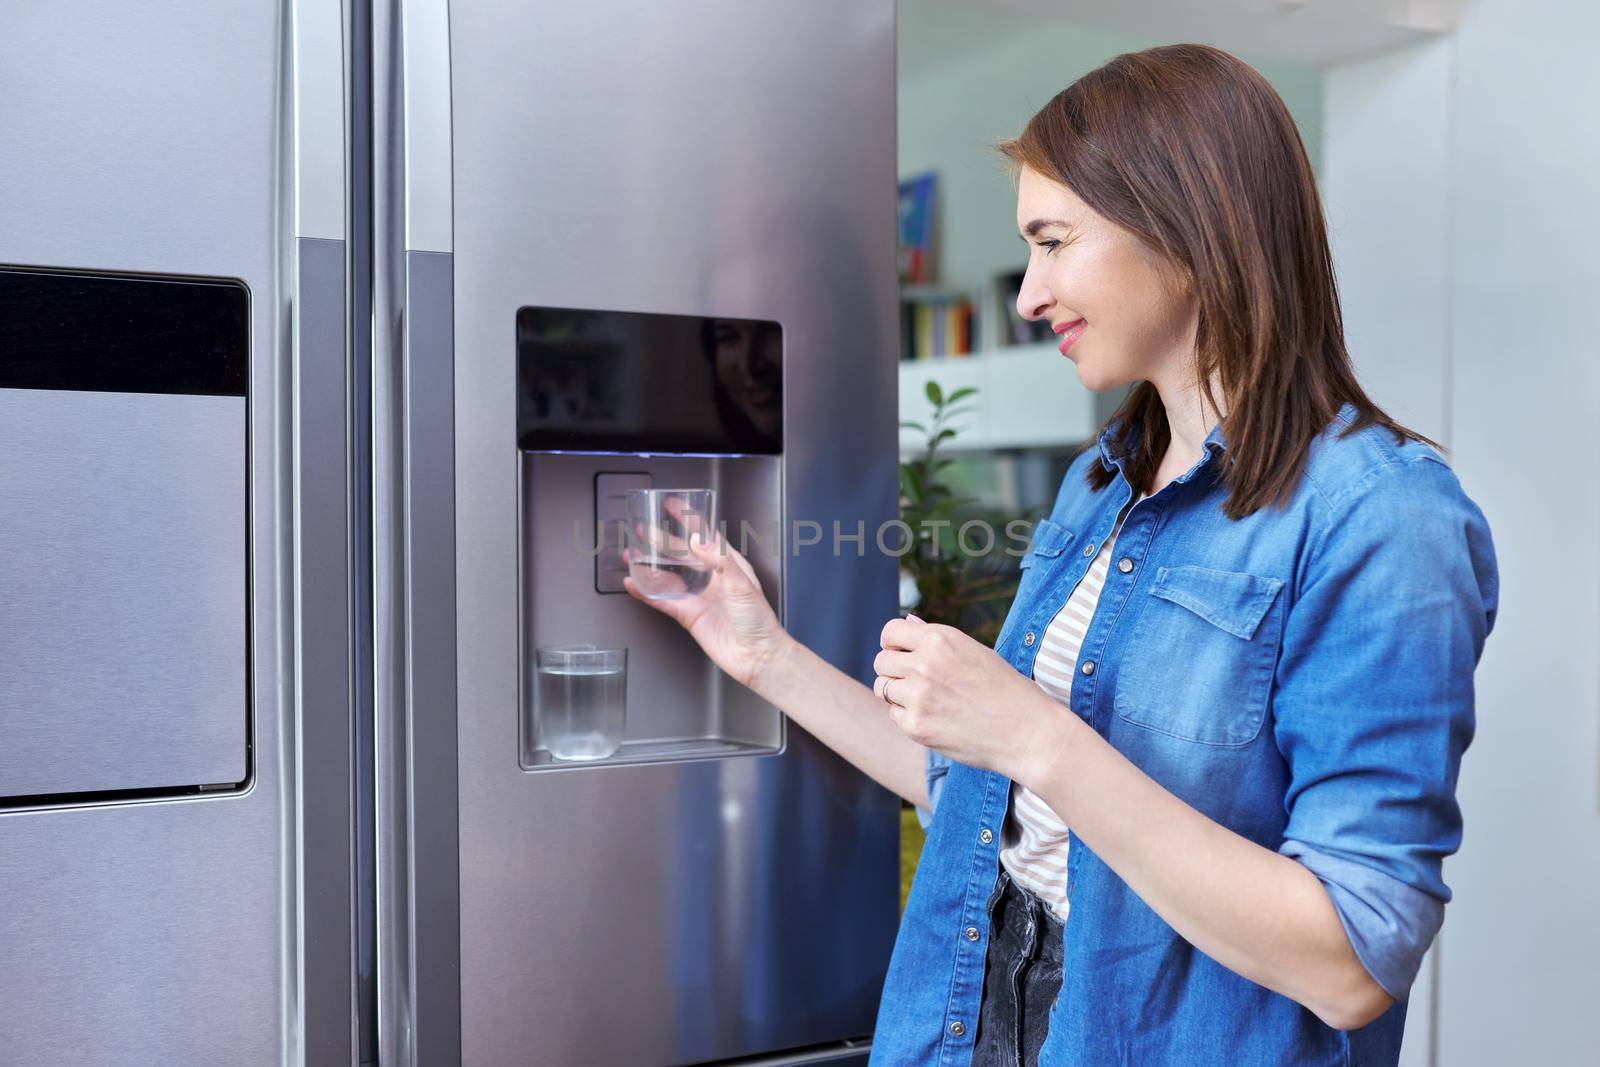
1070, 332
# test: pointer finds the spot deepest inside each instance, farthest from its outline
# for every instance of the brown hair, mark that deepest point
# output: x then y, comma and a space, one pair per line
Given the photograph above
1192, 151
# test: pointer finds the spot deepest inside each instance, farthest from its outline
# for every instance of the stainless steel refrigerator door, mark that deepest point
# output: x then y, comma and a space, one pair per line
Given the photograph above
192, 139
718, 158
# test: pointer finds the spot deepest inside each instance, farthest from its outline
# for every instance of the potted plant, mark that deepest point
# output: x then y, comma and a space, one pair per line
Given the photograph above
966, 586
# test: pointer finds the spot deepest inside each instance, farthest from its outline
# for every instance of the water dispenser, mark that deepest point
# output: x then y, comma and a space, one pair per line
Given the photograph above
610, 402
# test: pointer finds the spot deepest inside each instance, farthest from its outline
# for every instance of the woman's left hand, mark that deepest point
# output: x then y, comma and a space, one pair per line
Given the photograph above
957, 696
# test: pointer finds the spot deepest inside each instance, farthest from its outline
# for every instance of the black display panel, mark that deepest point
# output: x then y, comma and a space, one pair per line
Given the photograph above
123, 333
623, 381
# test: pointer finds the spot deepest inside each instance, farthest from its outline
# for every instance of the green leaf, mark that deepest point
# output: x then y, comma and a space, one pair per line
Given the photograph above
935, 394
919, 490
907, 424
905, 481
960, 394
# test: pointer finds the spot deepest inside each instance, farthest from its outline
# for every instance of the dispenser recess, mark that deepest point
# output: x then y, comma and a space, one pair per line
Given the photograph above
612, 400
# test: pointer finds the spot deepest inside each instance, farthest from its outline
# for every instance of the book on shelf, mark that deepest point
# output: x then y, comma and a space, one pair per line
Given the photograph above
1017, 330
916, 227
936, 325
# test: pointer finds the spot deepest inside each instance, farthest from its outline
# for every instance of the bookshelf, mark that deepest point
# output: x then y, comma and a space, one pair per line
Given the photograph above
938, 323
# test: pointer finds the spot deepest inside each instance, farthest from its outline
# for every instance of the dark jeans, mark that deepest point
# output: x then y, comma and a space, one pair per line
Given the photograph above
1021, 975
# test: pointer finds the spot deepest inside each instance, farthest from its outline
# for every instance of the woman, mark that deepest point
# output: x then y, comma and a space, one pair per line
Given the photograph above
1260, 600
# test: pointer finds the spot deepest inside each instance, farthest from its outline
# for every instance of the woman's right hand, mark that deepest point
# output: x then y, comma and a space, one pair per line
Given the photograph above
730, 618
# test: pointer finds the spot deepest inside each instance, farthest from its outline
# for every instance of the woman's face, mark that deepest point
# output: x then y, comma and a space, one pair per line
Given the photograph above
749, 364
1137, 321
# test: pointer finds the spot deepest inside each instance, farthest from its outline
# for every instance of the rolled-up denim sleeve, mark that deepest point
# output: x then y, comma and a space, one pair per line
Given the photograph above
937, 767
1374, 704
1390, 924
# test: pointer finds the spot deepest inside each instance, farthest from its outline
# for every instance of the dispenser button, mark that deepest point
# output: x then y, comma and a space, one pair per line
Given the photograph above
610, 517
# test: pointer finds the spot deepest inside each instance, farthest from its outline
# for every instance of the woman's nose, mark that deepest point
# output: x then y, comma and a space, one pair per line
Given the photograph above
1033, 299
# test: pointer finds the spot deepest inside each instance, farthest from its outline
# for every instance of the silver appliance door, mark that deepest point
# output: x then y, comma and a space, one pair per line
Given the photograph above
720, 159
175, 871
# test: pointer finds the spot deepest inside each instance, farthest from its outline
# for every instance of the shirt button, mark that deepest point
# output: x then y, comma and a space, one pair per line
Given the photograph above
972, 933
1028, 638
1088, 666
1088, 550
1124, 564
985, 835
957, 1028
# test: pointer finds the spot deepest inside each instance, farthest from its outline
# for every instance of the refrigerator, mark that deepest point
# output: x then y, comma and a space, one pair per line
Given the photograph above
332, 336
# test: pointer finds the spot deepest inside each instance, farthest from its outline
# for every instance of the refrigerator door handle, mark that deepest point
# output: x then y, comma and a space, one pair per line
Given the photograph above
317, 145
427, 512
320, 1015
429, 560
425, 124
323, 622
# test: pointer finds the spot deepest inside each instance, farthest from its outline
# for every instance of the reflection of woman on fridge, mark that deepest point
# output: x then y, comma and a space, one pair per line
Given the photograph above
746, 359
1193, 806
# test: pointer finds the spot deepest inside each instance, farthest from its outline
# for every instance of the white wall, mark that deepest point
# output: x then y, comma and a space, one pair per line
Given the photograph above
1460, 180
1386, 160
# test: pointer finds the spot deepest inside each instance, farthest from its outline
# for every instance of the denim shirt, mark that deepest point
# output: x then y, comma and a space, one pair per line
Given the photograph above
1302, 676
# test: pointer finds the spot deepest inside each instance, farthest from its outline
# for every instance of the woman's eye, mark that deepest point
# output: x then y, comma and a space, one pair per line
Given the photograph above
1048, 246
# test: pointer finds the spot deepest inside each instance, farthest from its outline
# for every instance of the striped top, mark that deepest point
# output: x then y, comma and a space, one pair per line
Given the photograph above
1034, 843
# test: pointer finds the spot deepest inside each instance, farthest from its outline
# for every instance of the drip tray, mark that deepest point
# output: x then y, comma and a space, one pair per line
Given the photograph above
654, 751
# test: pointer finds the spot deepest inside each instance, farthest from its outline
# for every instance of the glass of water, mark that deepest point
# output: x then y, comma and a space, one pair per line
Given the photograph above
657, 542
581, 699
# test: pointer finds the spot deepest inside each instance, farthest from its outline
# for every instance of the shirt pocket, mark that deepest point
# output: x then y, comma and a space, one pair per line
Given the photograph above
1049, 539
1199, 661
